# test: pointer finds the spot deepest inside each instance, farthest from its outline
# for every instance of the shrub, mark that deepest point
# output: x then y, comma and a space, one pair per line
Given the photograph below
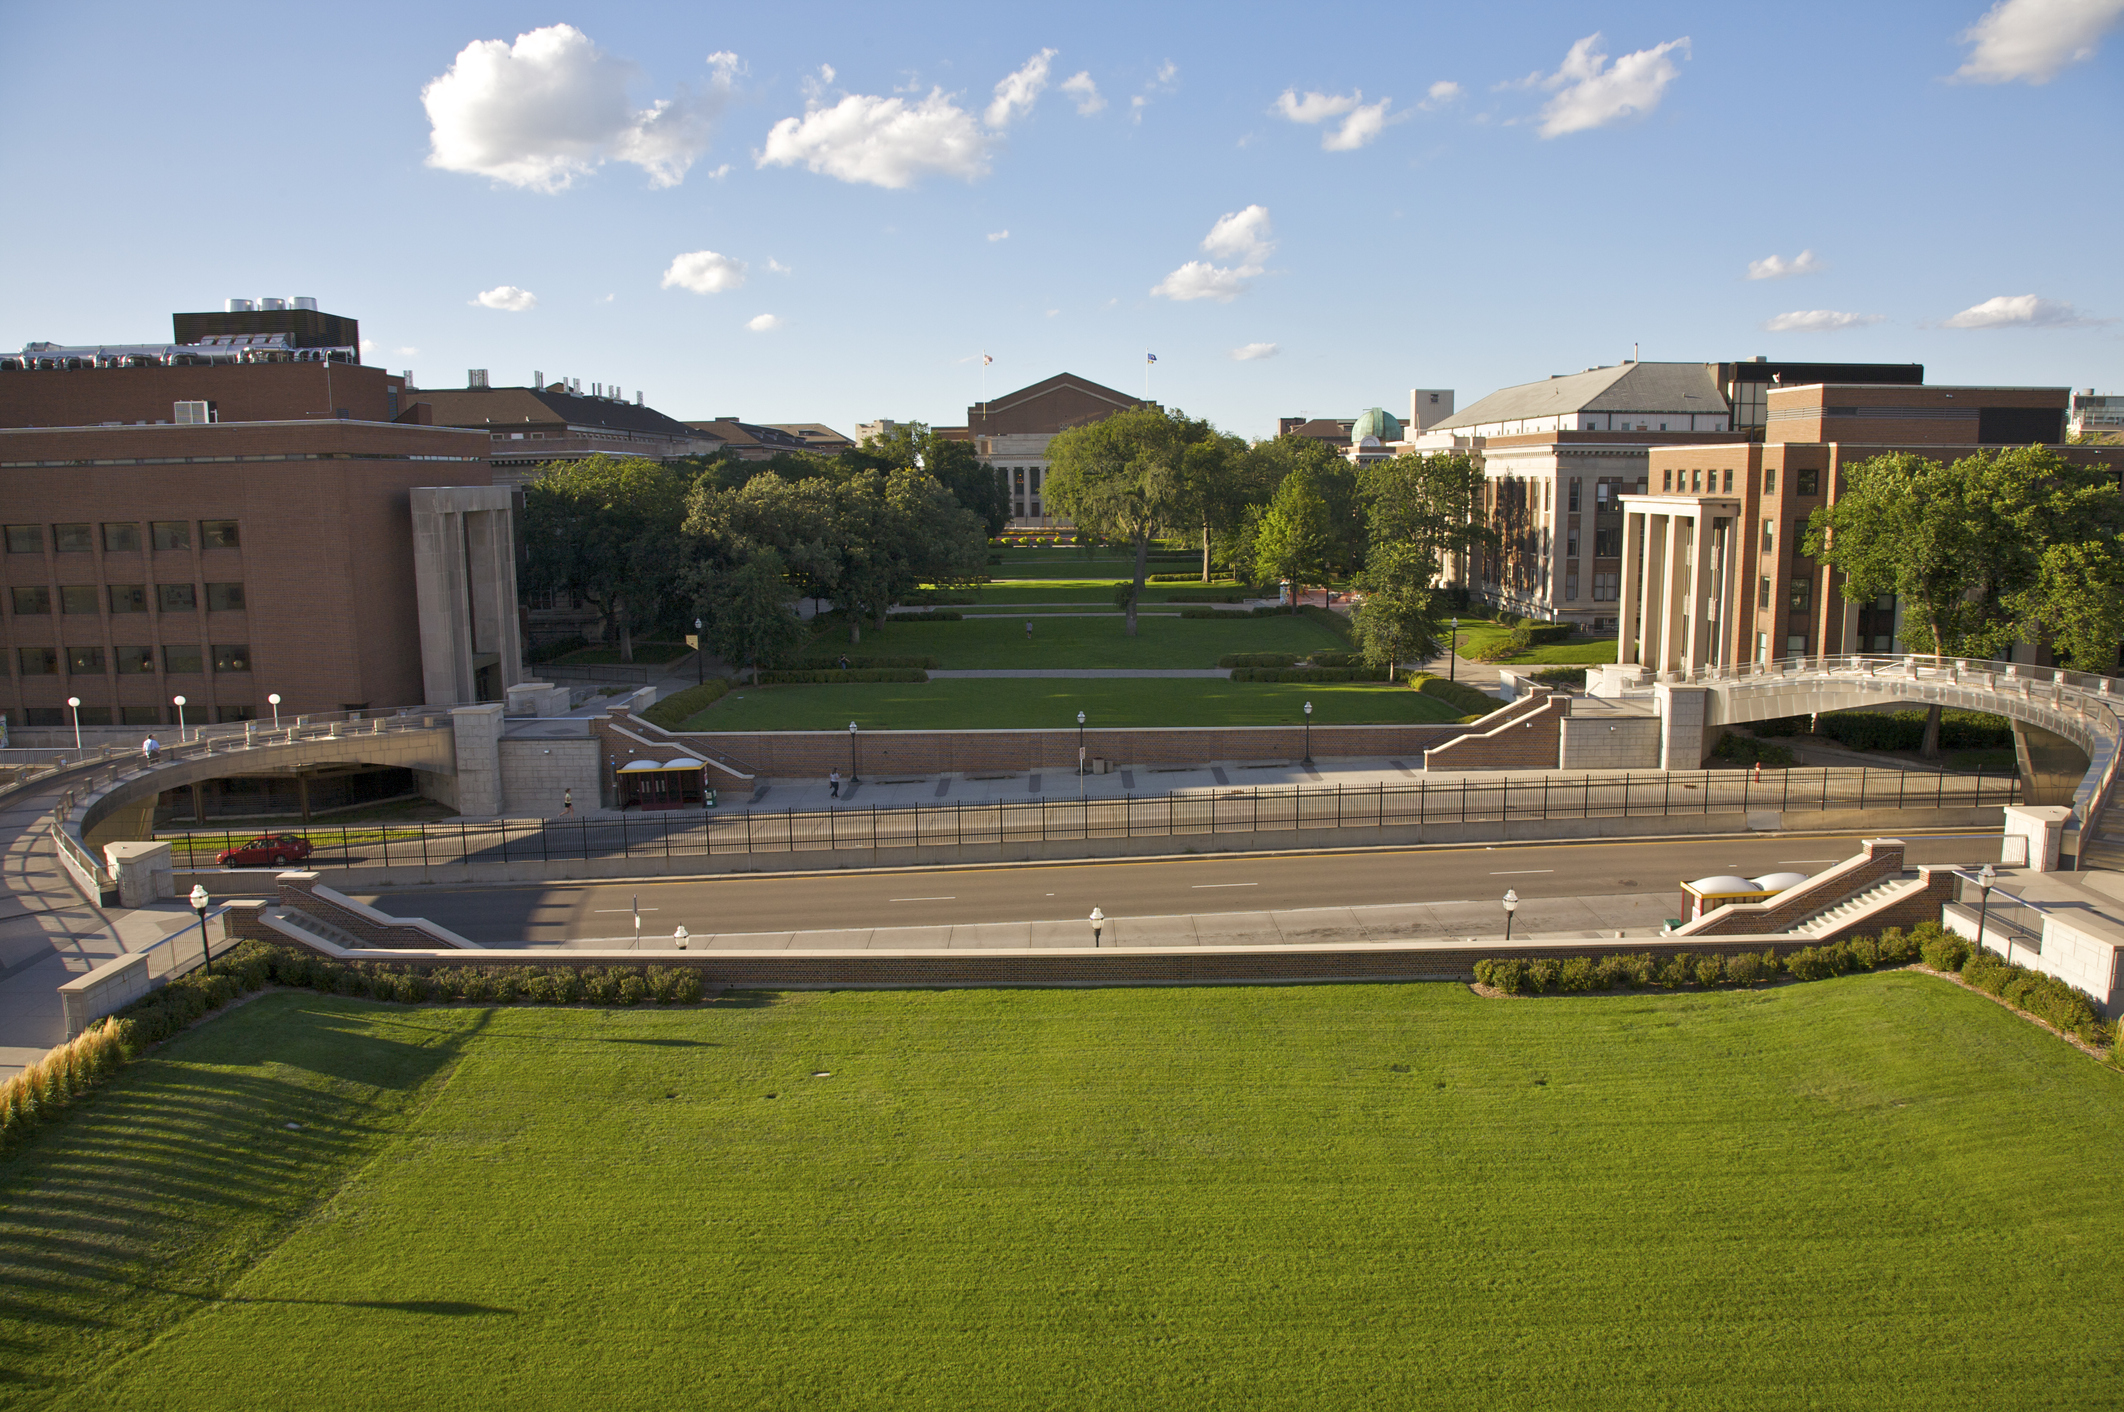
632, 990
1212, 613
1454, 693
1745, 968
1577, 973
1562, 676
554, 650
1812, 963
1203, 598
1987, 972
1508, 974
800, 675
1257, 659
1894, 947
833, 660
1744, 750
1305, 674
1678, 969
681, 706
1941, 949
1628, 972
930, 615
1541, 975
1710, 970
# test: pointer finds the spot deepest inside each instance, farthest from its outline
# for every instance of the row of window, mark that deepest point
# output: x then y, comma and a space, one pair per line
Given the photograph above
1806, 480
1799, 595
179, 660
123, 715
35, 600
119, 537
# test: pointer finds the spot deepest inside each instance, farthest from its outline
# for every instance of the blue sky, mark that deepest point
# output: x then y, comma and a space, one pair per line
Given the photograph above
1548, 184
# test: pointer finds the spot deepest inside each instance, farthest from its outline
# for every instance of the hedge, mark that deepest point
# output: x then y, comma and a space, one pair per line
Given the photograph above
854, 661
800, 676
1743, 750
1181, 578
1301, 674
684, 705
1454, 693
932, 598
932, 615
1258, 659
558, 648
1202, 598
1897, 730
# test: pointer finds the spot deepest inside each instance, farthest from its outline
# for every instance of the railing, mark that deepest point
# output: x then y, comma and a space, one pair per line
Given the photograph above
1180, 814
2022, 920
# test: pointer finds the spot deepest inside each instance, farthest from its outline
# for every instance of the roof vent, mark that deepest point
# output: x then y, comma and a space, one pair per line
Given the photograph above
475, 377
237, 306
306, 301
272, 305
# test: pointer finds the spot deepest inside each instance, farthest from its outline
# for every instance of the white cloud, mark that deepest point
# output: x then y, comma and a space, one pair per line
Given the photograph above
764, 323
1017, 92
1248, 352
2021, 311
1136, 105
1167, 71
553, 106
1358, 128
1442, 92
996, 235
409, 352
1819, 321
720, 172
887, 142
2034, 39
1315, 107
704, 272
776, 267
1778, 267
1086, 93
507, 297
1590, 94
368, 346
1238, 235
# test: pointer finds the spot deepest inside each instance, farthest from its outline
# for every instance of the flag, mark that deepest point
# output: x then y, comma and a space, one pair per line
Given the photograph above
986, 360
1150, 357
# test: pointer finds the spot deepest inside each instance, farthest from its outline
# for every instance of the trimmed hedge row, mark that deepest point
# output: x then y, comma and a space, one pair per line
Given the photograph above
1897, 730
796, 676
558, 648
1454, 693
1258, 659
684, 705
856, 662
932, 615
1303, 674
1205, 597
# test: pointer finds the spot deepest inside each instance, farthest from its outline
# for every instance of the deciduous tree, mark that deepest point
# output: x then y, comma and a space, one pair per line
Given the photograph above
607, 529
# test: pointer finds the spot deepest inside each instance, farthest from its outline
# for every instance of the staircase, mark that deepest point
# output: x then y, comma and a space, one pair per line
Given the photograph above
1854, 909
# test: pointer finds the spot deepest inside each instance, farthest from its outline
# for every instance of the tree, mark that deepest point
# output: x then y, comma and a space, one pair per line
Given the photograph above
1293, 538
1398, 621
976, 485
1123, 478
1431, 504
1211, 491
747, 614
607, 529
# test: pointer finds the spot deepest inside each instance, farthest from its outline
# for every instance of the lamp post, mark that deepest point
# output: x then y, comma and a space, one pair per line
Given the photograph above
1098, 921
1985, 879
1453, 654
275, 699
700, 664
680, 936
855, 771
199, 900
1511, 905
180, 718
1308, 732
73, 704
1080, 762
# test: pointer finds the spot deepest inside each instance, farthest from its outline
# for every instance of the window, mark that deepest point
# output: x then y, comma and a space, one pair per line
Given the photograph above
1571, 584
177, 597
1795, 644
1799, 539
1571, 541
136, 660
224, 597
78, 598
1762, 592
218, 534
1606, 587
1762, 647
32, 600
1729, 480
73, 539
232, 659
1769, 480
93, 715
139, 715
184, 661
171, 534
1546, 504
1769, 536
1607, 543
121, 538
1806, 481
1574, 492
128, 597
226, 714
84, 661
1696, 479
37, 661
47, 716
1666, 482
1801, 595
25, 539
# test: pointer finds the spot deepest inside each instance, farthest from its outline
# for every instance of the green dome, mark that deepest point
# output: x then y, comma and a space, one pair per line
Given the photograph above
1376, 422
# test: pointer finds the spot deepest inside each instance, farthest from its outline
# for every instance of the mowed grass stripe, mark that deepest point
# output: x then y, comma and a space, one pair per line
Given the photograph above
1082, 642
1052, 703
1876, 1192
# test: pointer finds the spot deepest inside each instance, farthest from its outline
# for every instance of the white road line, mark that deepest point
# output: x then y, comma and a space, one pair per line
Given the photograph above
1783, 861
922, 899
1203, 885
1520, 872
625, 911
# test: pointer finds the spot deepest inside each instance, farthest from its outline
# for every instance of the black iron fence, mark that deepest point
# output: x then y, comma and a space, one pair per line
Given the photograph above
677, 834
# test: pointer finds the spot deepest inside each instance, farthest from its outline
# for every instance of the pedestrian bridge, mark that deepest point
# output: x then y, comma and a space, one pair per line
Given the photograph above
2080, 707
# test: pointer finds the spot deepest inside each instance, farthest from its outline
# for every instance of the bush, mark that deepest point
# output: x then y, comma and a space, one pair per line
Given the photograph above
1454, 693
682, 706
833, 660
1894, 947
1577, 973
1542, 974
931, 615
1562, 676
1628, 972
1678, 969
1942, 950
1744, 969
1305, 674
554, 650
1743, 750
796, 676
1710, 970
1257, 659
1812, 963
1508, 974
1203, 598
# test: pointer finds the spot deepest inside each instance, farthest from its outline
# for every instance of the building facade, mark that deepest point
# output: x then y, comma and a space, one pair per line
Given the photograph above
529, 427
1012, 433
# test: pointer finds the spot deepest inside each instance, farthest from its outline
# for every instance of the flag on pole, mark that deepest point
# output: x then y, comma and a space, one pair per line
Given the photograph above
986, 360
1150, 357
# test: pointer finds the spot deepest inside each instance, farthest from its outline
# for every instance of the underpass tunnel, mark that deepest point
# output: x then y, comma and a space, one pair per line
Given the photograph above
2051, 766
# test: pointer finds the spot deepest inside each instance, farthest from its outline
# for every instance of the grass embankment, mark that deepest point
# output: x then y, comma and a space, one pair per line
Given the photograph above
1049, 703
1480, 636
1058, 642
1304, 1197
646, 654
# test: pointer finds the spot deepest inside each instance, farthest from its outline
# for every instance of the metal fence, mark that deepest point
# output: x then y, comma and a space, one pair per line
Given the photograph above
1189, 812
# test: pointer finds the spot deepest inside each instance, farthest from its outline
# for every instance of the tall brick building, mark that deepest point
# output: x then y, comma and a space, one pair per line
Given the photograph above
1012, 432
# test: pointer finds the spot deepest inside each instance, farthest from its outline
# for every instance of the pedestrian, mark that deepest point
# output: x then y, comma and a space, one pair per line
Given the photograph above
1028, 629
567, 804
834, 780
150, 750
844, 661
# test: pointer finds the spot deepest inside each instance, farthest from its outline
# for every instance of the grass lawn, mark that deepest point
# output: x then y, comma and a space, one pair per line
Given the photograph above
989, 703
1569, 654
1094, 592
645, 653
1083, 642
1879, 1192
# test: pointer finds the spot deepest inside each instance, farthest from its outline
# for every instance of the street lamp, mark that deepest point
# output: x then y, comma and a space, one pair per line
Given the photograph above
73, 704
1453, 654
180, 718
275, 699
855, 772
679, 937
1098, 921
1080, 744
700, 665
1985, 879
199, 900
1308, 732
1511, 905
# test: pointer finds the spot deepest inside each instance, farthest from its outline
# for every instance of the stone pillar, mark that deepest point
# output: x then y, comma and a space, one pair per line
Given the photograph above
1655, 617
1674, 609
1628, 597
1681, 725
141, 870
464, 577
478, 740
2042, 826
1696, 651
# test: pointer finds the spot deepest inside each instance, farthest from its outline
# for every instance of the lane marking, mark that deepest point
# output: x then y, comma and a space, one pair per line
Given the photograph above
1809, 860
1199, 886
596, 910
921, 899
1520, 872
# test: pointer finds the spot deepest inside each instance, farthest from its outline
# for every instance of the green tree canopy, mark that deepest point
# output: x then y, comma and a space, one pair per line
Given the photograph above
1124, 478
1293, 539
607, 529
747, 614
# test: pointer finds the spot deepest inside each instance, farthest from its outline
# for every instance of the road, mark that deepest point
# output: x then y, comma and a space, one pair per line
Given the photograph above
553, 913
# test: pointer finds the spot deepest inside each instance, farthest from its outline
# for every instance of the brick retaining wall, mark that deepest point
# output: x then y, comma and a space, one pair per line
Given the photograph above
1526, 735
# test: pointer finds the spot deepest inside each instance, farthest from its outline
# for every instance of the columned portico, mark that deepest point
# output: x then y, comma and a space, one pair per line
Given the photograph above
1677, 581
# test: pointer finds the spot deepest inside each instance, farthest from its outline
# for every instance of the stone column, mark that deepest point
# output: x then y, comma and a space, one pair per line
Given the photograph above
1696, 651
478, 740
141, 870
1654, 611
2041, 826
1681, 725
1627, 599
1674, 610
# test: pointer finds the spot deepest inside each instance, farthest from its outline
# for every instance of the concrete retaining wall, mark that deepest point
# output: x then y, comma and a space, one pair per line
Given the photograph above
1610, 743
1525, 735
536, 774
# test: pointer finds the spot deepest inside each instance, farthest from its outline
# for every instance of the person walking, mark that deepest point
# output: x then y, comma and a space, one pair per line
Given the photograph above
1028, 629
833, 779
150, 749
567, 804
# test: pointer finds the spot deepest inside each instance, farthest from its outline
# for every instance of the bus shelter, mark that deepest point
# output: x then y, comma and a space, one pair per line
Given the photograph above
669, 784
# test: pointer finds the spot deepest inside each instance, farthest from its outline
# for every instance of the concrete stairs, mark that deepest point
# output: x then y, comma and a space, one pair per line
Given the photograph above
1854, 910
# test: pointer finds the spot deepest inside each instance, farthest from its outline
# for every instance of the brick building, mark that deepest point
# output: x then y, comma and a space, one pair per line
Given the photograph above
1012, 432
528, 427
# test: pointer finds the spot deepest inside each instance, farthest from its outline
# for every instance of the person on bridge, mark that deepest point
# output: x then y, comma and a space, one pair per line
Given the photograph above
150, 749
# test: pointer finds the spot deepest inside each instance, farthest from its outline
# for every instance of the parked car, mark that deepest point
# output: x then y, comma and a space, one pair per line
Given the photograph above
273, 850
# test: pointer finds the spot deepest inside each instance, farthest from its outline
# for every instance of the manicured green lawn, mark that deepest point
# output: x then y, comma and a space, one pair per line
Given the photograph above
1567, 654
995, 703
1084, 642
1094, 592
1874, 1193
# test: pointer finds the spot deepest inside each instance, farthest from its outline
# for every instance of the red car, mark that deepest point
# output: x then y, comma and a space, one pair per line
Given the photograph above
269, 851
